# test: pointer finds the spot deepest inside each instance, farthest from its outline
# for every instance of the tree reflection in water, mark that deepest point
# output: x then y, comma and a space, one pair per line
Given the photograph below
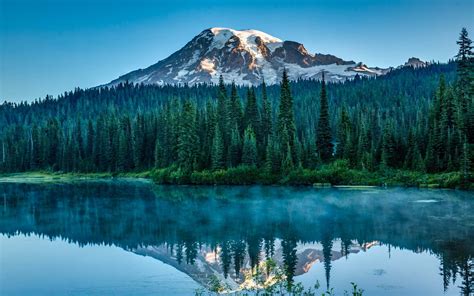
234, 228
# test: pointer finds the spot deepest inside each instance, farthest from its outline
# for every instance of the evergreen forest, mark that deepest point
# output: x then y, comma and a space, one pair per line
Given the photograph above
412, 125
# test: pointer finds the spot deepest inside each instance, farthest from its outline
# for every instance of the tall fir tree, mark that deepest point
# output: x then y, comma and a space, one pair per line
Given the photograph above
235, 107
286, 117
235, 153
465, 61
251, 114
324, 139
187, 139
217, 153
343, 131
249, 150
266, 116
223, 115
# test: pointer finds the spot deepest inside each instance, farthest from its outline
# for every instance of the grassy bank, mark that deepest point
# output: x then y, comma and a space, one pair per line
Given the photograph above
60, 177
333, 174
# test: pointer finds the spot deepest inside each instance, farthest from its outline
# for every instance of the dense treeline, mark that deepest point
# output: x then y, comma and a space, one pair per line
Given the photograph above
414, 119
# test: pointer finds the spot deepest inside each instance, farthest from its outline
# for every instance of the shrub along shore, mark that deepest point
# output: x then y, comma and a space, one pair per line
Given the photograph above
334, 174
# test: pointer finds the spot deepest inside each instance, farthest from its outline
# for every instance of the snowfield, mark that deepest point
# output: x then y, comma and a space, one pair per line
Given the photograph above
246, 57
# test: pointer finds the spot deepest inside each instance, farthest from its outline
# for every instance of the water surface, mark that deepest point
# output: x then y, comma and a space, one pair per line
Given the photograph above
123, 238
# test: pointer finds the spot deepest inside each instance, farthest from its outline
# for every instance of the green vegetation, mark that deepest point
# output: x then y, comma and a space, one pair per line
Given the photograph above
410, 127
61, 177
335, 173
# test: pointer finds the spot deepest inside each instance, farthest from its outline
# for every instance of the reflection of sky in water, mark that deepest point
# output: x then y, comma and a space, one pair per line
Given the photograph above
404, 273
150, 235
35, 266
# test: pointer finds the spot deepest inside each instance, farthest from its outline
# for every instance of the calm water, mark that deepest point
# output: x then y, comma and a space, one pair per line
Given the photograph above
134, 238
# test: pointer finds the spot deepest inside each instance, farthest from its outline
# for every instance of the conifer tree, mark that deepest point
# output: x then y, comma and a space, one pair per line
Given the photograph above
217, 153
465, 60
465, 168
266, 115
187, 138
249, 150
324, 139
90, 144
344, 129
388, 146
138, 135
251, 114
125, 162
235, 147
236, 113
286, 117
158, 155
35, 148
223, 115
287, 164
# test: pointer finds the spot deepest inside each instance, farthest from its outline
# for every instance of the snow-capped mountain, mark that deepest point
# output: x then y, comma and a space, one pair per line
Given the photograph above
245, 57
208, 261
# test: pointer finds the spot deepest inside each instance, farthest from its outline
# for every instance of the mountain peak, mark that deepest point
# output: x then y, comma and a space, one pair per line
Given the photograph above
246, 57
242, 34
415, 63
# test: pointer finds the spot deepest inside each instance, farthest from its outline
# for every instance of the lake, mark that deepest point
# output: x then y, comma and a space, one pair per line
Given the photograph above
128, 237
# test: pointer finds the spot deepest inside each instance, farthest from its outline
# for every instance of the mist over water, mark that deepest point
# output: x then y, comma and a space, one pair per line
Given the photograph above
126, 237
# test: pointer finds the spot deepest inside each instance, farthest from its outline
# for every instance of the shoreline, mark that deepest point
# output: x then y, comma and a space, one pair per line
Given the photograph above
154, 176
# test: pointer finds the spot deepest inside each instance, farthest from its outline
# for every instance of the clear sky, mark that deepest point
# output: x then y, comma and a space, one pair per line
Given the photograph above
51, 46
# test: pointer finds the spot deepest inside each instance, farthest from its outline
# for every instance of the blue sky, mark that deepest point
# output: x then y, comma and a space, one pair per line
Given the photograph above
51, 46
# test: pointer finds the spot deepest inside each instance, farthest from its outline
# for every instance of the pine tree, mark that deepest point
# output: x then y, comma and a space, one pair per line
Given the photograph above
249, 150
235, 107
267, 125
465, 60
430, 157
286, 117
158, 155
272, 156
223, 115
187, 138
35, 148
125, 162
413, 159
138, 135
388, 146
235, 147
251, 114
211, 126
324, 139
90, 143
465, 168
344, 129
217, 153
287, 164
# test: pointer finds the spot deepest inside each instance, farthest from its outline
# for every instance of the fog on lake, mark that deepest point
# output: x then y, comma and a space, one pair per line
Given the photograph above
128, 237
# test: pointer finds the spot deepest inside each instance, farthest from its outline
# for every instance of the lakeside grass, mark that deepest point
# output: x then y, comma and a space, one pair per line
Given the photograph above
325, 176
61, 177
332, 175
337, 173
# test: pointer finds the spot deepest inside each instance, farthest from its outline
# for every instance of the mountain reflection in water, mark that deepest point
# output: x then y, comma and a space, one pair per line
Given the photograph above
227, 230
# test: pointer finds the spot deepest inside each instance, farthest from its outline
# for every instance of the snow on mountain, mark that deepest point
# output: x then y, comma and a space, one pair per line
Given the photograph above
208, 261
245, 57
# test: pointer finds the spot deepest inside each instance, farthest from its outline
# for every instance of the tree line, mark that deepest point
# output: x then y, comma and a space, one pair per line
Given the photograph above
412, 119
